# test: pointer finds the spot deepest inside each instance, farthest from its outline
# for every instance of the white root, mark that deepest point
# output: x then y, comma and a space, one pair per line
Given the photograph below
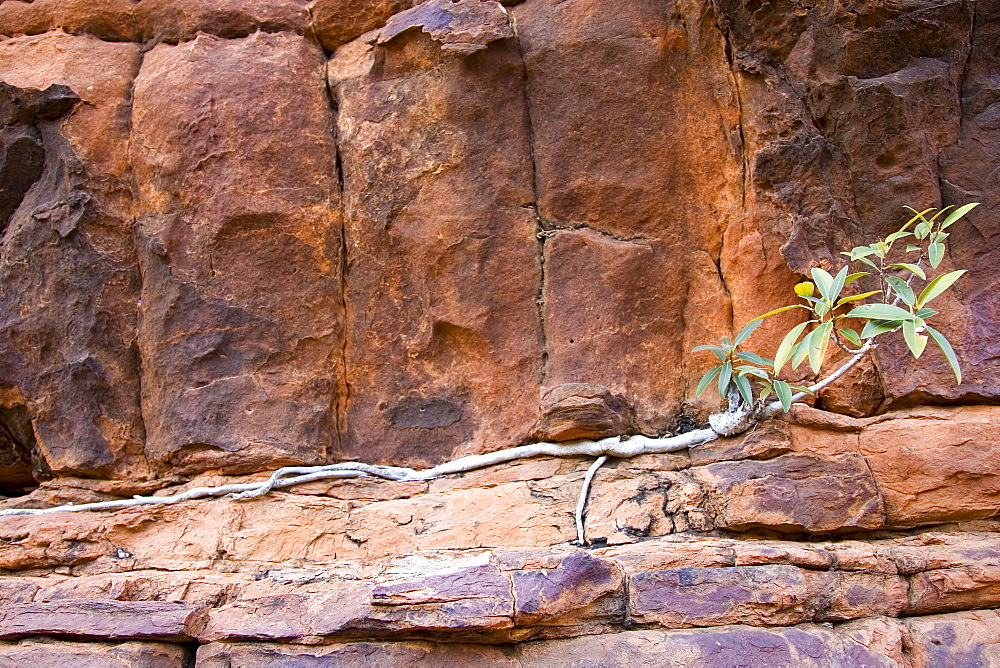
581, 505
730, 423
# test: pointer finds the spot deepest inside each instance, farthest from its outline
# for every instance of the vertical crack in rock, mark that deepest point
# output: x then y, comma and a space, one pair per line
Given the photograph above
543, 231
134, 187
344, 386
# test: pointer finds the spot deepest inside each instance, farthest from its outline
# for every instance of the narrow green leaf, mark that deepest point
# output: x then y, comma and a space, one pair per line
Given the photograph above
785, 347
948, 351
910, 248
895, 236
818, 342
784, 394
859, 252
851, 336
755, 358
727, 344
779, 310
917, 215
855, 276
925, 313
935, 253
941, 211
821, 309
958, 213
705, 347
839, 281
938, 285
725, 376
914, 341
765, 389
802, 388
747, 331
753, 371
868, 262
876, 327
912, 268
900, 287
743, 386
823, 280
855, 298
880, 312
801, 350
706, 379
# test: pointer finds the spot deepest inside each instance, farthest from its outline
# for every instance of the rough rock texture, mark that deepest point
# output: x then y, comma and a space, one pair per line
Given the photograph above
236, 235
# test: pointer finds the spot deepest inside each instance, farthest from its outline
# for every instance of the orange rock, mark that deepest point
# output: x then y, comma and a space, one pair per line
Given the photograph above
936, 465
241, 316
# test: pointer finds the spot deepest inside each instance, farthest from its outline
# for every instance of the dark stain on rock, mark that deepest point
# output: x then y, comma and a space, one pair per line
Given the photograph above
424, 413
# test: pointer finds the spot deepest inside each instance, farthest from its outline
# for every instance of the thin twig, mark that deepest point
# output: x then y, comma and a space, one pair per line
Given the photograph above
581, 505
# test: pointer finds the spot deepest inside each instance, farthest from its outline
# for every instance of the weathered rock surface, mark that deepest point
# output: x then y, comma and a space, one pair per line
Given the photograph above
237, 235
241, 315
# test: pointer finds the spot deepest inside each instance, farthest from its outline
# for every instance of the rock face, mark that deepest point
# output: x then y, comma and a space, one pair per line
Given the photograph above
239, 235
291, 232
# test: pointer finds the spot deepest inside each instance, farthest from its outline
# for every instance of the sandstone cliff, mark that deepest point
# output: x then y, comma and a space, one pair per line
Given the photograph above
242, 235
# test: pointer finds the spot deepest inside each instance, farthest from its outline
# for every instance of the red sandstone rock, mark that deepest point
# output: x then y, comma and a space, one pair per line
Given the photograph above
936, 465
181, 20
339, 21
112, 620
241, 316
793, 492
958, 639
69, 275
43, 652
444, 344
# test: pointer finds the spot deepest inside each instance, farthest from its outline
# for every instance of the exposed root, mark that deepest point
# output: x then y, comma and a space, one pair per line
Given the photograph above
731, 423
581, 505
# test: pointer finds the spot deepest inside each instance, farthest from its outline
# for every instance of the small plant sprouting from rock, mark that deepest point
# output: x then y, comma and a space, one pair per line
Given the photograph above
747, 379
744, 379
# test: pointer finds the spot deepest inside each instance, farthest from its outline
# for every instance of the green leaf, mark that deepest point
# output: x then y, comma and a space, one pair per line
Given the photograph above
706, 379
802, 388
935, 253
898, 235
747, 331
958, 213
785, 347
912, 268
851, 336
755, 358
859, 252
839, 281
727, 344
805, 289
922, 230
880, 312
855, 276
754, 371
725, 376
916, 342
925, 313
917, 215
821, 309
855, 298
938, 285
948, 351
784, 394
801, 351
824, 281
876, 327
910, 248
779, 310
705, 347
868, 262
900, 287
765, 389
818, 342
743, 386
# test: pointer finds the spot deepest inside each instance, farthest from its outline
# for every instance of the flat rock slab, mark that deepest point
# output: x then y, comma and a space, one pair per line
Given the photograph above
114, 620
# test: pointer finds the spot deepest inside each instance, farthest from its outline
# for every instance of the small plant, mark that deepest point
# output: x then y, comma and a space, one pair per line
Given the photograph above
746, 379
